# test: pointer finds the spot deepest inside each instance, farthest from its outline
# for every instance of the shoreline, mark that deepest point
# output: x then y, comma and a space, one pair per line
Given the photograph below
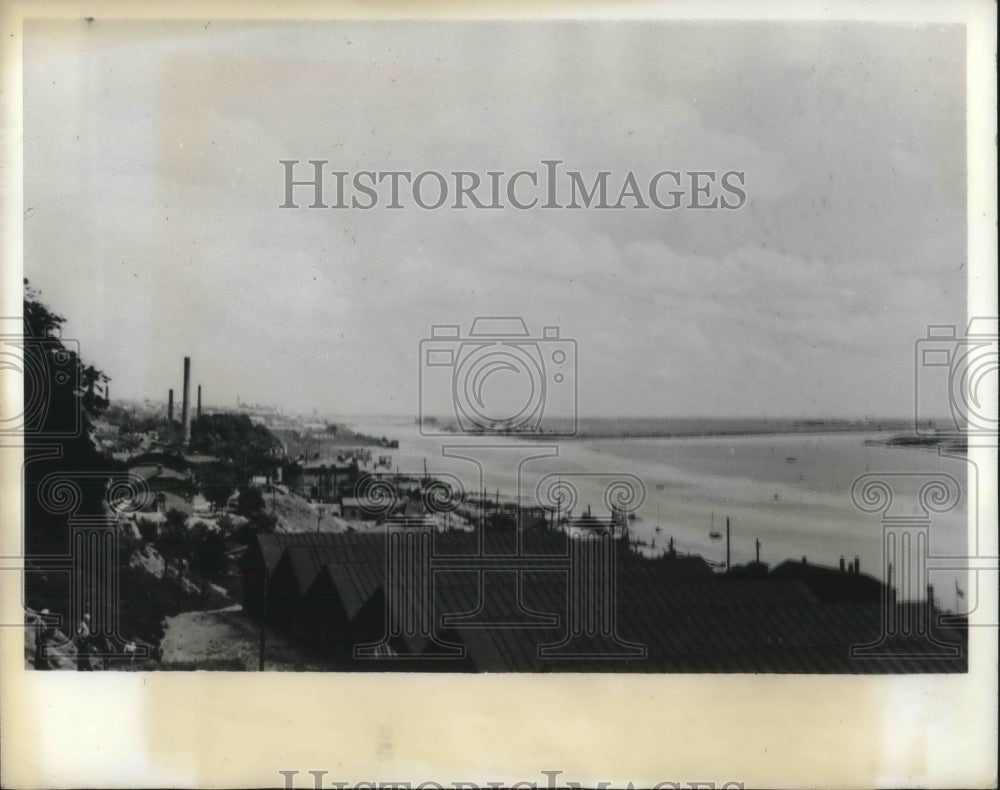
598, 428
720, 433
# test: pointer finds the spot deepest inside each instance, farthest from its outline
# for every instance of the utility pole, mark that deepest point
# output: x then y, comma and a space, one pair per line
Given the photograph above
727, 544
263, 624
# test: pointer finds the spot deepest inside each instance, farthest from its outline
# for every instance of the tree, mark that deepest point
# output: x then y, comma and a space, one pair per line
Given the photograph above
127, 545
71, 382
208, 554
62, 394
173, 544
148, 529
264, 522
218, 480
218, 496
234, 437
250, 502
226, 524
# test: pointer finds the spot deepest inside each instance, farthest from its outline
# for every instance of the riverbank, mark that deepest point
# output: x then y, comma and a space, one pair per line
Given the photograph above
672, 427
791, 491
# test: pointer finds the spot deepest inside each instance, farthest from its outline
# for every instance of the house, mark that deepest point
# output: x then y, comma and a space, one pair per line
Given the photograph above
168, 480
845, 584
319, 481
353, 509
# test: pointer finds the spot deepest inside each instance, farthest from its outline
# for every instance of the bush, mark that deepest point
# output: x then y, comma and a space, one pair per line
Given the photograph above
264, 522
208, 553
148, 529
251, 502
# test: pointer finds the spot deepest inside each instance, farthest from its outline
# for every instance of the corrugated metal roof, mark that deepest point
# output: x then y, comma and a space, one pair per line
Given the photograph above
271, 551
686, 622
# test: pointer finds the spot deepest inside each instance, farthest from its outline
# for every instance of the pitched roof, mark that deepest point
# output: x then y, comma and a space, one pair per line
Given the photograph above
832, 584
305, 565
776, 622
271, 551
355, 562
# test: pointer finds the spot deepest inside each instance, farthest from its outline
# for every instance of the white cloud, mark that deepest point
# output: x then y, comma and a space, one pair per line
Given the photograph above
152, 166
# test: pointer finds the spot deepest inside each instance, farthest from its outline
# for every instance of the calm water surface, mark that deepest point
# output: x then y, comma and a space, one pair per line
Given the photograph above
792, 492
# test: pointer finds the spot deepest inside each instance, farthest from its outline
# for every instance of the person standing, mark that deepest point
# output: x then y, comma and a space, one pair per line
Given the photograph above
83, 635
43, 635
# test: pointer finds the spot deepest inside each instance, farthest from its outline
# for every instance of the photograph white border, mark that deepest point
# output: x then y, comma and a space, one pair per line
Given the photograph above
215, 729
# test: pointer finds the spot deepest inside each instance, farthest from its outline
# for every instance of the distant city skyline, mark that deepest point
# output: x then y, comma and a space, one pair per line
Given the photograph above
152, 186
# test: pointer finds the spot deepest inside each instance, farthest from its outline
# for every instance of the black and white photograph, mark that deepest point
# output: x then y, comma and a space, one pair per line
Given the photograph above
568, 346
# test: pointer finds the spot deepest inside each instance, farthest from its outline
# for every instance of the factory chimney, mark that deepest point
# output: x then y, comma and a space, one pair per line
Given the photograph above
170, 410
199, 401
186, 401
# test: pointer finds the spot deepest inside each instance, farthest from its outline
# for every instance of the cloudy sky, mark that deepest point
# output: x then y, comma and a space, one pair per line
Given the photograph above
152, 186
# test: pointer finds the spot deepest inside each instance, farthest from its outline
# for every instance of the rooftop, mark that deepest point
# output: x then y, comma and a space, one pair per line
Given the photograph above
789, 620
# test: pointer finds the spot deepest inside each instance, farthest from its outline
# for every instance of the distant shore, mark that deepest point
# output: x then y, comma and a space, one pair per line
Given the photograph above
690, 428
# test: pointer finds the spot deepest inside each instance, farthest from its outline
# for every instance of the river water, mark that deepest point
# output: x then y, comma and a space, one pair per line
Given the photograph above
792, 492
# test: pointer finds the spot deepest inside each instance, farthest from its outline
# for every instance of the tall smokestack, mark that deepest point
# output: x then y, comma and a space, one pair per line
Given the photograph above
186, 401
170, 409
199, 401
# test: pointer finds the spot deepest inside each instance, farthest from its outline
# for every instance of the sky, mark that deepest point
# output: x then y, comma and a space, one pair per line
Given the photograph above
152, 186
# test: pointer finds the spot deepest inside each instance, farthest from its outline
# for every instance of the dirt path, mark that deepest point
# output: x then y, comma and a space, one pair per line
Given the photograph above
226, 639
